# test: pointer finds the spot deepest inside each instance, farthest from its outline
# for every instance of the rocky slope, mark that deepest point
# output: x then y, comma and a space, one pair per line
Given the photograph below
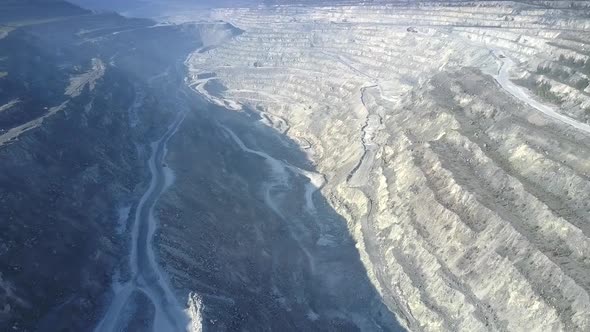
86, 102
77, 109
468, 206
325, 167
239, 234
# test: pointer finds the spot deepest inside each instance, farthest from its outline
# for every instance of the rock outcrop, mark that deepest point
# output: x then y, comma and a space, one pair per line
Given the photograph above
469, 207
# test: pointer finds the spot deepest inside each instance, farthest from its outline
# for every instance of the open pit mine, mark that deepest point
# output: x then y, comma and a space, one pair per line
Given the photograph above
295, 166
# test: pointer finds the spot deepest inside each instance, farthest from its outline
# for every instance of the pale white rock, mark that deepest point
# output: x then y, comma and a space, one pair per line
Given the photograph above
467, 197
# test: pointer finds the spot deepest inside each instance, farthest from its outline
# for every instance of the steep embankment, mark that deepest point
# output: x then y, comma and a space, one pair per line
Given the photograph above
245, 230
469, 205
77, 111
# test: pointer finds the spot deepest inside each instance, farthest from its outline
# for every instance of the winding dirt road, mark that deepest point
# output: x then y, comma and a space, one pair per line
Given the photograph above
503, 78
146, 276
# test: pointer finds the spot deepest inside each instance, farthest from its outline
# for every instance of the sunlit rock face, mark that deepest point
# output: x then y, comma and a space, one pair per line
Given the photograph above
468, 203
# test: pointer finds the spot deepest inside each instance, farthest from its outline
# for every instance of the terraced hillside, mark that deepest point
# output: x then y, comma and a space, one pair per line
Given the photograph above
454, 140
